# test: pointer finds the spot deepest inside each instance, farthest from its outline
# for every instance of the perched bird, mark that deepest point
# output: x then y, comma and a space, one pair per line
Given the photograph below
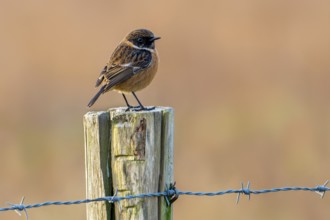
132, 67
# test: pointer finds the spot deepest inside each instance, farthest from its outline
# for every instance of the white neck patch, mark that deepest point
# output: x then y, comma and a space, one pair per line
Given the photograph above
143, 48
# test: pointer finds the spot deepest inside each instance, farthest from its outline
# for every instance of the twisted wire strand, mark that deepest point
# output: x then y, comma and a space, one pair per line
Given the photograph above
169, 193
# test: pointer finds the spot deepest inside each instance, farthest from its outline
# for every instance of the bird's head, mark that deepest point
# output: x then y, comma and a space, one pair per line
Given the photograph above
142, 38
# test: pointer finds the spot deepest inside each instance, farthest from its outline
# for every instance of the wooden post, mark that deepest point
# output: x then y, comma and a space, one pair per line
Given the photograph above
131, 153
97, 163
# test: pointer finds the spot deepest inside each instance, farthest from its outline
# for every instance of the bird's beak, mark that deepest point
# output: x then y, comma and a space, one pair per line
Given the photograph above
155, 38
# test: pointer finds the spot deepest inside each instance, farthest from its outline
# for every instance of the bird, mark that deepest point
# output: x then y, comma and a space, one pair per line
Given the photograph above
131, 68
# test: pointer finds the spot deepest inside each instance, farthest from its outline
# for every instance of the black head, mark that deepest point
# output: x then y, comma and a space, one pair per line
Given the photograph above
142, 38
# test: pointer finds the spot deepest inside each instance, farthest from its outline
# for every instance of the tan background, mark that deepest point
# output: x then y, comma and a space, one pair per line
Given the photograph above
249, 81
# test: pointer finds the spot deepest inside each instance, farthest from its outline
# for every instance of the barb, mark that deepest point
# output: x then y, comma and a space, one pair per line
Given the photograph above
170, 194
171, 197
19, 208
322, 189
113, 197
245, 191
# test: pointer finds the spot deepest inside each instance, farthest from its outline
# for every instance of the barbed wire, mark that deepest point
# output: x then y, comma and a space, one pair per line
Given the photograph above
170, 194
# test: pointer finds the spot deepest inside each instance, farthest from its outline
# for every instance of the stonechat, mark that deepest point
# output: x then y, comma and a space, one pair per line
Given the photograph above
131, 67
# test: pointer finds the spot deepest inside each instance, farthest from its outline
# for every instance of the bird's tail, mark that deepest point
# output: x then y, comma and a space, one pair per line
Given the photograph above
93, 100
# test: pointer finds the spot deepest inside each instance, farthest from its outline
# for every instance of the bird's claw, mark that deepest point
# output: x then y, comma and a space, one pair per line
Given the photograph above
139, 108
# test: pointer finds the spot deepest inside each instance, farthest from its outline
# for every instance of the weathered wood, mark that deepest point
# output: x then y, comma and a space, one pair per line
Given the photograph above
141, 160
167, 163
97, 163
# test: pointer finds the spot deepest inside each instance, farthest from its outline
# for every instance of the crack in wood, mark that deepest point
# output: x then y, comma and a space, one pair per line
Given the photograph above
138, 139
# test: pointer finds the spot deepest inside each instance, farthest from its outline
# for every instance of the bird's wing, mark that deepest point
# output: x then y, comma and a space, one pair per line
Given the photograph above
101, 77
121, 74
132, 62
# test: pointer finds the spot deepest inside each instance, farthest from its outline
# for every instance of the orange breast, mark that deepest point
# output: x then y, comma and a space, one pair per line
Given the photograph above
141, 79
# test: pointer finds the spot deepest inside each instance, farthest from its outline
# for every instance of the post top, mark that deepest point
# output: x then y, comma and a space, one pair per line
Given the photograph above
122, 110
156, 109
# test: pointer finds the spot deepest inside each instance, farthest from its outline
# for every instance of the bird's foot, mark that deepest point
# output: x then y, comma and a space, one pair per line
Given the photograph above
132, 108
139, 108
142, 108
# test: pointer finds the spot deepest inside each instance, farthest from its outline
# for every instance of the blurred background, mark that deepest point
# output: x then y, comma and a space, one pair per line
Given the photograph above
249, 81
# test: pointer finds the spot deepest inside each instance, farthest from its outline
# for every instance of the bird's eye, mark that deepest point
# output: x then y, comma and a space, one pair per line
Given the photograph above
140, 40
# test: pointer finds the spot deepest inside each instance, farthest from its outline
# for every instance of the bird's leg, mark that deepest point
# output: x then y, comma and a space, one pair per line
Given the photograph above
141, 107
129, 107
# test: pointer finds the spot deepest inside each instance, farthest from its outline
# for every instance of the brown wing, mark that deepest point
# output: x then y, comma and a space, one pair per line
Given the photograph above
121, 74
101, 77
124, 63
